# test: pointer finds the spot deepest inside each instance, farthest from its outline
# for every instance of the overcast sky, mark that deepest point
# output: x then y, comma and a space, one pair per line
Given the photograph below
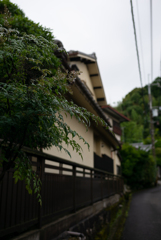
104, 27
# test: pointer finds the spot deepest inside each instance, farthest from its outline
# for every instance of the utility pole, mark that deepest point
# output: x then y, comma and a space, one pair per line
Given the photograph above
149, 89
160, 64
151, 120
150, 98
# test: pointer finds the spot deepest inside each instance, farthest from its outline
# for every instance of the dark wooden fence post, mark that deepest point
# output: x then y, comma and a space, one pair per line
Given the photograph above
108, 184
74, 190
41, 165
122, 180
113, 185
91, 187
84, 172
101, 186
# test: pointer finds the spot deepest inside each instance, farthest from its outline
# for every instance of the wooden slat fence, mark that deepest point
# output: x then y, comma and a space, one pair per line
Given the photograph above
66, 187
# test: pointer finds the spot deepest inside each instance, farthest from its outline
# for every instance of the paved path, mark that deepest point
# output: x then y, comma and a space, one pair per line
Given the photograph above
144, 219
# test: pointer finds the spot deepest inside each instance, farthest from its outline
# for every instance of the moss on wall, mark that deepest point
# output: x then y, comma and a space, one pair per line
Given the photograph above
113, 229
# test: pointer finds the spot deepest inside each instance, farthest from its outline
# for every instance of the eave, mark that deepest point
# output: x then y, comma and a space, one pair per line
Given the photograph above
113, 112
91, 62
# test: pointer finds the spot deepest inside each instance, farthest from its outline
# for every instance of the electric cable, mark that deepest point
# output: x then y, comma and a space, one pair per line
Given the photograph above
141, 46
136, 44
151, 38
137, 52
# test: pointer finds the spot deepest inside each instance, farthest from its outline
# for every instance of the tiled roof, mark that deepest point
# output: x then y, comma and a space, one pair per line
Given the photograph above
115, 111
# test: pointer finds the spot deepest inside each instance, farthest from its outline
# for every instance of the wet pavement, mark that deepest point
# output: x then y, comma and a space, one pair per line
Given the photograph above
144, 217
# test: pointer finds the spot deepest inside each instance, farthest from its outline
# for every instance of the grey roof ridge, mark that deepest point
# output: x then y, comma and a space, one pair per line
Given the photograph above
92, 55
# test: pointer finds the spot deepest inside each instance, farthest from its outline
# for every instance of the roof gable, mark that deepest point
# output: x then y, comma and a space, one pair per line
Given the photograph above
90, 61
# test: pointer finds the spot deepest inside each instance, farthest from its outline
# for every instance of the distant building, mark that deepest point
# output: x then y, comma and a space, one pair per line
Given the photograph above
142, 146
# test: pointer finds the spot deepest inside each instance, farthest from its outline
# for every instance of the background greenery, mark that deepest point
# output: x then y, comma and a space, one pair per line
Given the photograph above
138, 167
136, 163
135, 106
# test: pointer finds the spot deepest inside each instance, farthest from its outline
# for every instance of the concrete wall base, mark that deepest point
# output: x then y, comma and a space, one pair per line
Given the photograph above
52, 230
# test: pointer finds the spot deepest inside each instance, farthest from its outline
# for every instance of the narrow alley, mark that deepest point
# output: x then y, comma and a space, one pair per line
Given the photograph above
144, 217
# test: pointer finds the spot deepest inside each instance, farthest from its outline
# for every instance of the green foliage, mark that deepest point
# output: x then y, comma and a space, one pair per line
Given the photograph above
13, 8
147, 140
134, 115
32, 102
20, 22
138, 167
158, 143
136, 107
158, 151
132, 132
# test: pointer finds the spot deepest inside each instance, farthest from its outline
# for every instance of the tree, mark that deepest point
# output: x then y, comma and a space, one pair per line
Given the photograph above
132, 132
158, 151
21, 23
32, 99
138, 167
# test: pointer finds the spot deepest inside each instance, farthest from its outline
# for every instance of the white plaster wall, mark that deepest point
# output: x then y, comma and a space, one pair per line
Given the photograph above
97, 145
85, 76
110, 120
105, 149
118, 137
87, 135
116, 162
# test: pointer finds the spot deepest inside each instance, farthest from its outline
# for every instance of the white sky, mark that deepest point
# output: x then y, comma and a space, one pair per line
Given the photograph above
104, 27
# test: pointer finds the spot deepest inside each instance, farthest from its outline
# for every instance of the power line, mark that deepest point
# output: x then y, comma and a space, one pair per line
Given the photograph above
137, 51
151, 38
142, 55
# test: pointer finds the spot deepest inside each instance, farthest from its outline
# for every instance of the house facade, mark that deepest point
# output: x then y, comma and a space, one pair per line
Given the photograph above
115, 119
68, 184
88, 92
